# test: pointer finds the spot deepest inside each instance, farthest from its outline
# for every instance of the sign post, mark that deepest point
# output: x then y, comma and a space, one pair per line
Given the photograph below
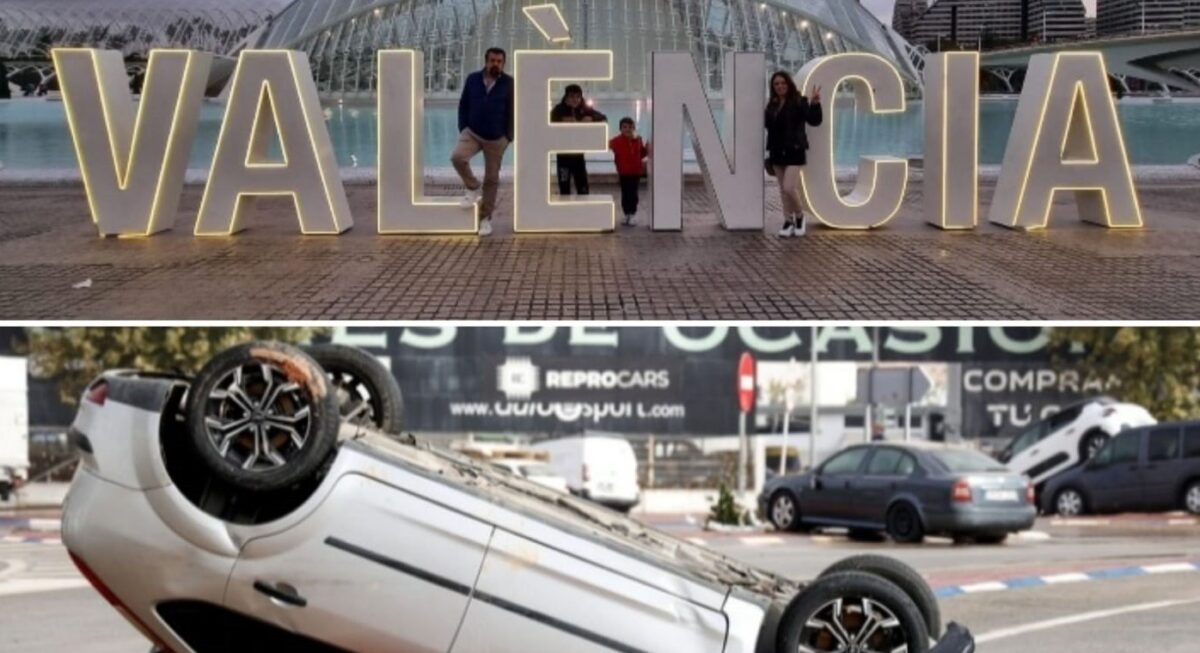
745, 395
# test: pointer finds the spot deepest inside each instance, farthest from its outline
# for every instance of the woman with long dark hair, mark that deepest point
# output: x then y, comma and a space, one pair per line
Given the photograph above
787, 145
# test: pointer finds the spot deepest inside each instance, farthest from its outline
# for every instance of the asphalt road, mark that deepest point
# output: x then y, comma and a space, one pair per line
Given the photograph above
1113, 615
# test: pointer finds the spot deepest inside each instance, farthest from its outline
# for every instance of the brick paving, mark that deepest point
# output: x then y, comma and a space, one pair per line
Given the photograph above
906, 270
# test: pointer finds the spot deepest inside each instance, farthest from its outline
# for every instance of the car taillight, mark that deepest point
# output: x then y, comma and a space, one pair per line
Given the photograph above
98, 393
1030, 495
116, 603
585, 474
961, 491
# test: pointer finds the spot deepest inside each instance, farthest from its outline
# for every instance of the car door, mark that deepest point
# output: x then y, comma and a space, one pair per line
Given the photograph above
830, 499
886, 469
565, 593
1163, 469
1113, 478
373, 568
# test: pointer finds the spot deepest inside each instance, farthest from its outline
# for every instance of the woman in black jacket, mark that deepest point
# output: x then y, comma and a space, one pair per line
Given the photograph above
787, 144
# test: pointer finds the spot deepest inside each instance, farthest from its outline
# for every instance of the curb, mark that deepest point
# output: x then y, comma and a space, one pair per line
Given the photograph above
1058, 579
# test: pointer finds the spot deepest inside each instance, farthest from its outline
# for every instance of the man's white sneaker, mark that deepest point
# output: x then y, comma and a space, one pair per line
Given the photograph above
485, 227
469, 199
788, 230
801, 228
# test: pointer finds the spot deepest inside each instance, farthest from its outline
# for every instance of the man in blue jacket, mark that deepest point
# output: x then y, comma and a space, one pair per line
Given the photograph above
485, 124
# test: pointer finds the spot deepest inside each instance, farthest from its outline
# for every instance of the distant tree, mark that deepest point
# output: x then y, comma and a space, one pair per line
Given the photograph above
1157, 367
76, 355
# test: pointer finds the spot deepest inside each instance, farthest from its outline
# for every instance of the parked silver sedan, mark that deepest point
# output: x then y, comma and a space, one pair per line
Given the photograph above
908, 490
238, 511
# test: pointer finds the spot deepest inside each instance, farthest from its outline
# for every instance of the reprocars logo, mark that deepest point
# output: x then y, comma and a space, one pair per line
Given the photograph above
517, 378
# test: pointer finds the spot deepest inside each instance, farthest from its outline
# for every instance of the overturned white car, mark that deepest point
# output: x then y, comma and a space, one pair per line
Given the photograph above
240, 511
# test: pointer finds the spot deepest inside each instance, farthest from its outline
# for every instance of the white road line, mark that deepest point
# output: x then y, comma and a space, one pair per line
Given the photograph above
699, 541
1080, 522
1074, 577
32, 585
1170, 567
1181, 522
762, 540
991, 586
1076, 618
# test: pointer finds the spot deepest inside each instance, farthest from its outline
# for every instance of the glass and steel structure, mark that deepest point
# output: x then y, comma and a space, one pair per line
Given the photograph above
30, 28
341, 37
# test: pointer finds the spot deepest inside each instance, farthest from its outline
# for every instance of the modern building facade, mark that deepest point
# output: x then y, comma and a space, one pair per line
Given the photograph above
905, 15
984, 23
29, 28
341, 37
1123, 17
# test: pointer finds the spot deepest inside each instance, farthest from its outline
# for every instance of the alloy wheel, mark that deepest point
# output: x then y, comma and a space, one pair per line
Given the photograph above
853, 625
783, 512
1192, 500
1069, 503
257, 418
356, 404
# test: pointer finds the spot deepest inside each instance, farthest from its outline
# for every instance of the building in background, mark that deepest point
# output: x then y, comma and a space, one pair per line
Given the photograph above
1125, 17
905, 15
990, 23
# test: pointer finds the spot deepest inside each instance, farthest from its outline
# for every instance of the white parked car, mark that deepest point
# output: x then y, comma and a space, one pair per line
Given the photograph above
600, 468
534, 470
1070, 437
236, 511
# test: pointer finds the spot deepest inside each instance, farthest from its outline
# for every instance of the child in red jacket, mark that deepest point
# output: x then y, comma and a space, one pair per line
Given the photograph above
628, 152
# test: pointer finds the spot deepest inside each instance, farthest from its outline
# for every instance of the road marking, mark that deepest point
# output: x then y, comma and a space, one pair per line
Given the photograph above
33, 585
1171, 567
698, 541
1074, 577
1080, 522
991, 586
1004, 633
1181, 522
761, 540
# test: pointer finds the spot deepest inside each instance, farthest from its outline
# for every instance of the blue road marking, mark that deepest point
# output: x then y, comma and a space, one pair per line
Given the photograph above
1019, 582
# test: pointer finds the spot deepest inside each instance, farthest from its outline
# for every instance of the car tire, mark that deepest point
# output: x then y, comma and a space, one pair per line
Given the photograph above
991, 538
900, 575
1091, 443
784, 511
256, 394
1068, 502
367, 393
1191, 498
904, 524
808, 618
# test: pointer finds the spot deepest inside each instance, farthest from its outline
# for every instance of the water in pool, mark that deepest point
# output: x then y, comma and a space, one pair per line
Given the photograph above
34, 137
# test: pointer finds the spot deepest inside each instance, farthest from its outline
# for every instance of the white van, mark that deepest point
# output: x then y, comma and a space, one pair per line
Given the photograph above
601, 468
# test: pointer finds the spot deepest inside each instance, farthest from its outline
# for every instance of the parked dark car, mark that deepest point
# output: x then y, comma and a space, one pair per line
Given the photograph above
907, 490
1144, 469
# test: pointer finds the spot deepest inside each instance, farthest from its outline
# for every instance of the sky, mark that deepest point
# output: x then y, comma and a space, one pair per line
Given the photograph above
883, 8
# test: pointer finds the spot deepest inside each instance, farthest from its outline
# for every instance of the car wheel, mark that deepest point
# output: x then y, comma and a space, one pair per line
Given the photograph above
1069, 502
1191, 498
785, 513
991, 538
367, 393
261, 416
1091, 444
902, 576
853, 611
904, 524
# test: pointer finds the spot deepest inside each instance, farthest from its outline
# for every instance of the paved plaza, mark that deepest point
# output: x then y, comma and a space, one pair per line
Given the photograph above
53, 266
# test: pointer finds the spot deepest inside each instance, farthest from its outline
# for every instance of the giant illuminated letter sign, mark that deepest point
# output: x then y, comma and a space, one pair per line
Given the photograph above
274, 89
403, 207
535, 139
879, 190
732, 167
951, 186
1065, 137
132, 165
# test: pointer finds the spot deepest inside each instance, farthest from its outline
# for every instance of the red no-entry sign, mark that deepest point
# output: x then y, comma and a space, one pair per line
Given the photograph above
745, 382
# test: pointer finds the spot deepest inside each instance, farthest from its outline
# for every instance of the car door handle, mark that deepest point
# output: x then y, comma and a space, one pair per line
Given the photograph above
281, 592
